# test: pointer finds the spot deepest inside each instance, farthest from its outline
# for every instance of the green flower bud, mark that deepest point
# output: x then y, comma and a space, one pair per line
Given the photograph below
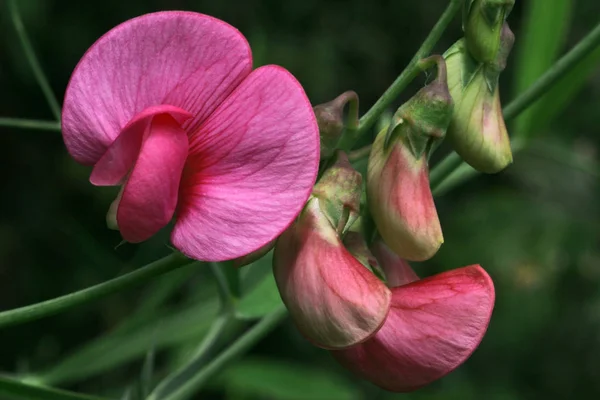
477, 131
482, 23
339, 191
330, 118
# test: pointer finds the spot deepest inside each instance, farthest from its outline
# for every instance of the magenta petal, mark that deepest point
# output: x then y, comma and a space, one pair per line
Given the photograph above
150, 194
397, 271
122, 153
184, 59
433, 326
334, 300
251, 168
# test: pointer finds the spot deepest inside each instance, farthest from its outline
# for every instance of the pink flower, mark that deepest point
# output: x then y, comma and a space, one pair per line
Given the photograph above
399, 338
433, 325
168, 106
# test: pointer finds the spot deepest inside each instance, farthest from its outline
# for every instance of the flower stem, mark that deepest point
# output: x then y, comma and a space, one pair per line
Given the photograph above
170, 385
66, 302
30, 124
411, 71
33, 61
241, 345
445, 168
15, 390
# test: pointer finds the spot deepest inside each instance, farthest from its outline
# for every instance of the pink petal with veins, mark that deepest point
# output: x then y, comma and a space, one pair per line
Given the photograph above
183, 59
397, 271
150, 194
433, 326
334, 300
119, 158
251, 167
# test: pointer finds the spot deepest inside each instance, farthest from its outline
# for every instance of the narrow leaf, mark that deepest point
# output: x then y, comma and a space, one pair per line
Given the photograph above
538, 46
260, 301
16, 390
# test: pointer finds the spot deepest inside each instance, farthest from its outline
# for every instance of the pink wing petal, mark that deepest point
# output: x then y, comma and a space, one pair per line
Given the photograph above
150, 194
433, 327
114, 165
184, 59
397, 271
251, 168
334, 300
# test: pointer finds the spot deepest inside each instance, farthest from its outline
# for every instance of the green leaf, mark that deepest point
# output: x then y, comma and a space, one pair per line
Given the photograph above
537, 48
274, 379
260, 301
11, 389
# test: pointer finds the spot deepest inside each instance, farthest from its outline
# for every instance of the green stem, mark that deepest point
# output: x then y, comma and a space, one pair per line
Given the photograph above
13, 389
33, 61
66, 302
445, 168
411, 71
169, 386
241, 345
558, 70
30, 124
359, 154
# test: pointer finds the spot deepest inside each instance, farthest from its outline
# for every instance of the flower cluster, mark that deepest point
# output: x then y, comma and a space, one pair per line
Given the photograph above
167, 107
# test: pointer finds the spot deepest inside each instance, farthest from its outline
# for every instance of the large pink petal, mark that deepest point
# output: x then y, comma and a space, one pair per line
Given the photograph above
114, 165
184, 59
150, 194
251, 168
433, 326
334, 300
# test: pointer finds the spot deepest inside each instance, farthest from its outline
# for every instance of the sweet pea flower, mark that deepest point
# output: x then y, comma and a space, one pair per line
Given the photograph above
433, 325
167, 106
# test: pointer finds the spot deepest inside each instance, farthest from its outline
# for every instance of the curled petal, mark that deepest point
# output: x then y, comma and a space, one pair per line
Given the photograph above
334, 300
433, 326
397, 271
184, 59
251, 168
150, 195
120, 157
401, 201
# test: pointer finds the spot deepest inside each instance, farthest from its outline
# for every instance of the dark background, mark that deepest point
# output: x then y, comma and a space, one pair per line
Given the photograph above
534, 227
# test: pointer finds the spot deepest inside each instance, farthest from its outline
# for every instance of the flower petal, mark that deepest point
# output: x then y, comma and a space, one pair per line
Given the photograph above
251, 168
397, 271
120, 157
433, 326
184, 59
150, 194
334, 300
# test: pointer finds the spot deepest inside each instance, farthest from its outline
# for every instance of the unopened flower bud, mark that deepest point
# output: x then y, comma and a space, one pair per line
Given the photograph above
477, 131
482, 23
339, 190
330, 118
398, 189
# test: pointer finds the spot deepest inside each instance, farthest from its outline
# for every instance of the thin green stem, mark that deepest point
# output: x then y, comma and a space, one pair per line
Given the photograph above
30, 124
33, 61
452, 163
359, 154
558, 70
411, 71
16, 390
66, 302
241, 345
174, 381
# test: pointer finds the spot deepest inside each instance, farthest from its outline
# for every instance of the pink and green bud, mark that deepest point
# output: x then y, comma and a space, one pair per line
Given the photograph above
330, 118
433, 326
398, 188
334, 300
482, 23
339, 191
478, 131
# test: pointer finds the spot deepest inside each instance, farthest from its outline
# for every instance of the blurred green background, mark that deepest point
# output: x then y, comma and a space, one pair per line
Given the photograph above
535, 227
